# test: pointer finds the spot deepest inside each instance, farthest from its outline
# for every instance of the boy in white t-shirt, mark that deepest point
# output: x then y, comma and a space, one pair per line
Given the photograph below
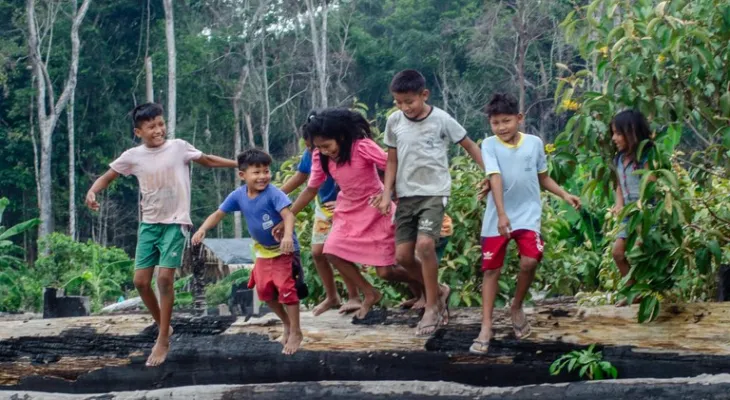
162, 168
516, 166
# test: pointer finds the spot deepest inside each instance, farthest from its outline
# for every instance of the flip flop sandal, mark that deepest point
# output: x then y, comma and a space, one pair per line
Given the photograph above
523, 331
435, 326
479, 347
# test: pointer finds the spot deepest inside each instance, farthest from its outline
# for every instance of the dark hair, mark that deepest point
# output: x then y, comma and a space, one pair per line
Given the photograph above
253, 157
146, 112
633, 126
408, 81
340, 124
502, 103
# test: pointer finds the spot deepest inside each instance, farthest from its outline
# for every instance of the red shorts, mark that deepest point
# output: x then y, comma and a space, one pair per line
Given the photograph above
274, 280
494, 248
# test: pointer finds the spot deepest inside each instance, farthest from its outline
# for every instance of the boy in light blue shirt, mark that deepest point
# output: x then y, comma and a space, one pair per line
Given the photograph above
516, 166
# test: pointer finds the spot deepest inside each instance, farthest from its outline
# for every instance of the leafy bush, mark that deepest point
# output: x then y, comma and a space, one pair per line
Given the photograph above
589, 363
17, 291
220, 292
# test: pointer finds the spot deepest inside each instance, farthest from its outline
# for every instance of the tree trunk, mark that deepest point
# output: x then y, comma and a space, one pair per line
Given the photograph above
319, 47
150, 94
266, 115
71, 168
48, 107
55, 356
249, 128
238, 140
171, 68
521, 52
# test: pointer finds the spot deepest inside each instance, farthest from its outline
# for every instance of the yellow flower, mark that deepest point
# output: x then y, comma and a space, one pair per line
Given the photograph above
570, 105
603, 50
661, 58
549, 148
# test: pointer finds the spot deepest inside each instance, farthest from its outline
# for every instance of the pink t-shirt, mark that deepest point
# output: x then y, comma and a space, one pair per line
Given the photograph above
164, 179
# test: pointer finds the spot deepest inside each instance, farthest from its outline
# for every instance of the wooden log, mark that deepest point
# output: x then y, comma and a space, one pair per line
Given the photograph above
101, 354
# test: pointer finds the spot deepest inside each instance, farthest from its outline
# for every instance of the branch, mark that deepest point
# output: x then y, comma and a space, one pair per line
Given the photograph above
74, 67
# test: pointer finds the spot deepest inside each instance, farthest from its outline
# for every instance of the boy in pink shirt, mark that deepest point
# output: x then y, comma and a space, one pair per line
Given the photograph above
162, 168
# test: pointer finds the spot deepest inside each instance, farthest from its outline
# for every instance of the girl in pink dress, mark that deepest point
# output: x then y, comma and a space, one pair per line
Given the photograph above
360, 233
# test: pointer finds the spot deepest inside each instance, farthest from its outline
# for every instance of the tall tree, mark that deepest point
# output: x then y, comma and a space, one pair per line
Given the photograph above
48, 107
171, 68
71, 166
319, 45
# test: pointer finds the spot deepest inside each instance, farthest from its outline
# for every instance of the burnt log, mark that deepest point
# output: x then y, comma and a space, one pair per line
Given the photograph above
102, 354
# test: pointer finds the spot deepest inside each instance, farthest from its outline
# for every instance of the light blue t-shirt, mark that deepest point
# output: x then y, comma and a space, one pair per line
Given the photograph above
519, 166
262, 213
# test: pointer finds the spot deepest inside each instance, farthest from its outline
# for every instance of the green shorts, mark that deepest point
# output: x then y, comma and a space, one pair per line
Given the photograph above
160, 245
419, 215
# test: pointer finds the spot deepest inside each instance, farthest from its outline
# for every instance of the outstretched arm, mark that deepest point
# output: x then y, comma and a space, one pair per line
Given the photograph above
473, 150
210, 222
547, 183
304, 198
294, 182
211, 161
100, 184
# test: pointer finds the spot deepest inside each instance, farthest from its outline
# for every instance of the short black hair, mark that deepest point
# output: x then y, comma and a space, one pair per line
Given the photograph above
146, 112
253, 157
408, 81
502, 103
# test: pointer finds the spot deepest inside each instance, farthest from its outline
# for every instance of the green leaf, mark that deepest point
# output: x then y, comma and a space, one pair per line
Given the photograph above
20, 228
583, 370
725, 104
648, 309
616, 47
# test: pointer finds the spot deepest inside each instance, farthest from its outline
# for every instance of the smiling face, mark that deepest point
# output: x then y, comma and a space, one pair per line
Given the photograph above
152, 132
327, 147
256, 176
506, 126
412, 104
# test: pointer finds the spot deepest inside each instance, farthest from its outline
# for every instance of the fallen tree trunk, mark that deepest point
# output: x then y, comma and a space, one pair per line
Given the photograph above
101, 354
705, 387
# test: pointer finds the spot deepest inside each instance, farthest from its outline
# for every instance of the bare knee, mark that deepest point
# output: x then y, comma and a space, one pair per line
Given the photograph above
528, 264
165, 284
491, 273
318, 253
385, 273
142, 284
425, 248
405, 259
619, 251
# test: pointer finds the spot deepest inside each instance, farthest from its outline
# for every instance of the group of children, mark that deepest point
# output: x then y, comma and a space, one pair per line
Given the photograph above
396, 224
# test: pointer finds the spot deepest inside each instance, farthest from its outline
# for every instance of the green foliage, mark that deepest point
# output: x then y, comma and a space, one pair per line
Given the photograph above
670, 61
16, 290
220, 292
588, 363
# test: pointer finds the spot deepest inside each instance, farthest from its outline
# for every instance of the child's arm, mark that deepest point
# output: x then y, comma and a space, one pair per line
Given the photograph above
547, 183
391, 169
305, 197
287, 241
211, 161
100, 184
210, 222
503, 226
619, 200
473, 150
294, 182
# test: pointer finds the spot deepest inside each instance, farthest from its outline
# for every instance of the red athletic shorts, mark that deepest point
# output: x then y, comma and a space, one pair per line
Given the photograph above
274, 280
494, 248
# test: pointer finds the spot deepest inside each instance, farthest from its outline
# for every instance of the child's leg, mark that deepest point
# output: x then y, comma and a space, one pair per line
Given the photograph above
328, 280
280, 312
619, 256
490, 289
531, 247
165, 280
349, 271
436, 295
295, 332
143, 284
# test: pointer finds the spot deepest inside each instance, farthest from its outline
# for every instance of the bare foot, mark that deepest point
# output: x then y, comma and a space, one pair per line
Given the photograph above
431, 320
285, 336
351, 306
371, 299
520, 324
420, 304
292, 345
326, 305
159, 353
444, 297
408, 303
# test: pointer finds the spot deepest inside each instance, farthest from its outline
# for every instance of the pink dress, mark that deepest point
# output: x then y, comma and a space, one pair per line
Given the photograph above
360, 233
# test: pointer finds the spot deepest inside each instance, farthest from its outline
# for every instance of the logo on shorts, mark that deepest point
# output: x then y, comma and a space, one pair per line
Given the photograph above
488, 255
425, 225
287, 294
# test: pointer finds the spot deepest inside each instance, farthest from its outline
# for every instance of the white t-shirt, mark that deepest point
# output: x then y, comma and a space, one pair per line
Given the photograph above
519, 166
423, 147
164, 179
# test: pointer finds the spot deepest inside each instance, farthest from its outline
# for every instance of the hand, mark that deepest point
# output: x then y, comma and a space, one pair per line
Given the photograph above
381, 202
503, 226
198, 237
329, 206
278, 231
91, 201
484, 190
287, 245
574, 201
